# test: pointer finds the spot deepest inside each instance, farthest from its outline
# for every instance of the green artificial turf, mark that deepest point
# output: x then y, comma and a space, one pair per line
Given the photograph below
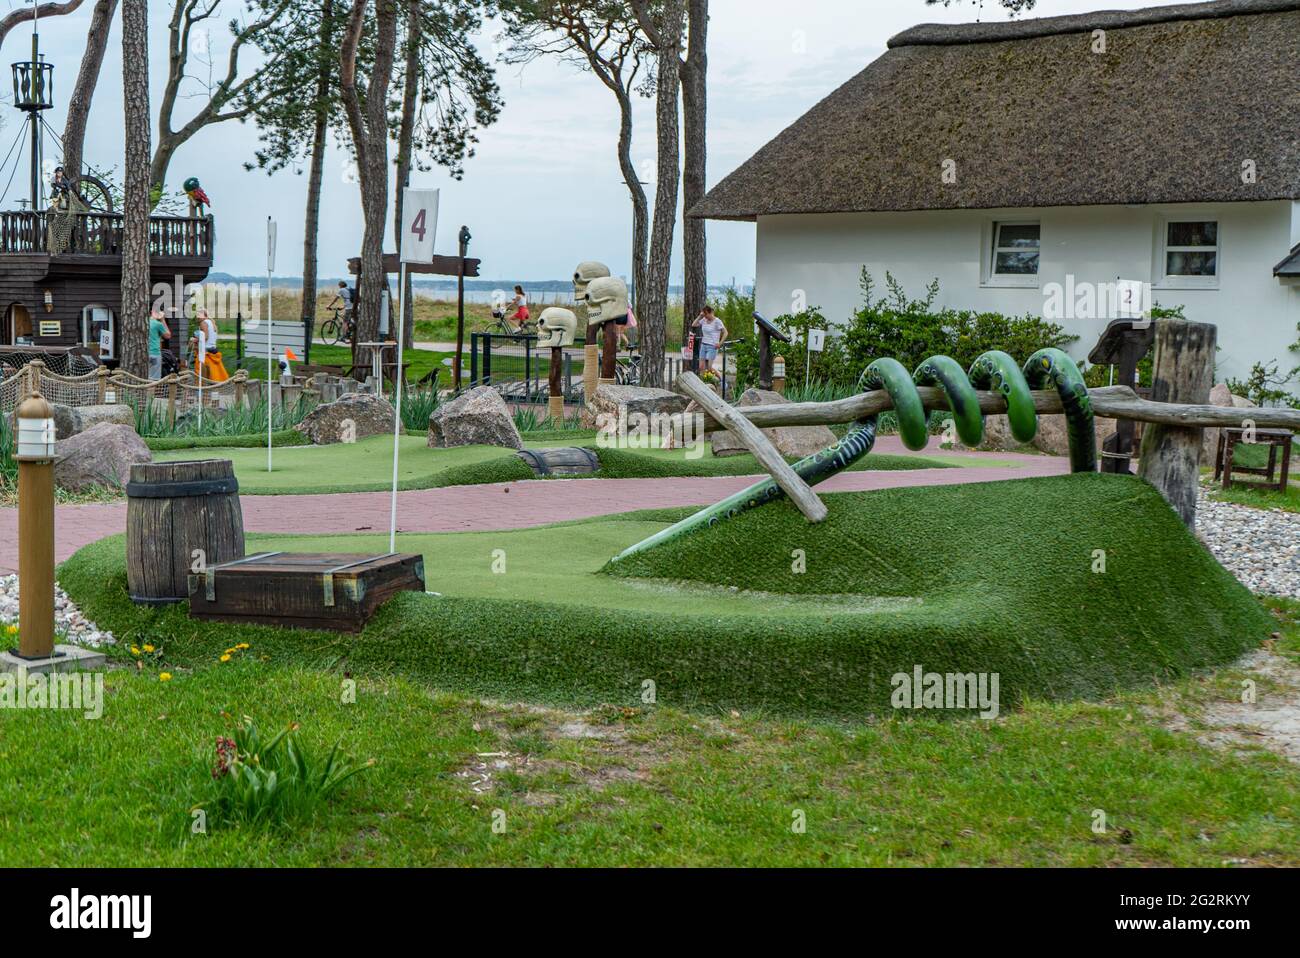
985, 578
282, 437
366, 465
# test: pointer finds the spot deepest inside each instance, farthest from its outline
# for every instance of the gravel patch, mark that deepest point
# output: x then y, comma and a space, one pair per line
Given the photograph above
1261, 547
70, 625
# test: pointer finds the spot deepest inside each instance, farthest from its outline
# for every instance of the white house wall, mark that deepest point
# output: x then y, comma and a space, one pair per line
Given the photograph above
819, 258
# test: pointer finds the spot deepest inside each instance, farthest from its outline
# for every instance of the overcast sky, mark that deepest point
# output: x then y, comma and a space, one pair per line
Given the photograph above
544, 190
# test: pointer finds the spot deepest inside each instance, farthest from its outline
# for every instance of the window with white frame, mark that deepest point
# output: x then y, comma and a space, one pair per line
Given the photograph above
1192, 249
1015, 249
95, 321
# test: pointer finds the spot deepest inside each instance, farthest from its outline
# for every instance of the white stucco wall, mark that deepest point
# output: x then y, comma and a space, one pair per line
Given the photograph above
822, 256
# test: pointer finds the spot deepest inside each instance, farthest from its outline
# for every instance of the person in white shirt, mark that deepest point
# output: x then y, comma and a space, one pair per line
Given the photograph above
711, 331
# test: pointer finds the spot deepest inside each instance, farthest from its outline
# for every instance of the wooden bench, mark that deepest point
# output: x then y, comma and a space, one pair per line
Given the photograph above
1275, 439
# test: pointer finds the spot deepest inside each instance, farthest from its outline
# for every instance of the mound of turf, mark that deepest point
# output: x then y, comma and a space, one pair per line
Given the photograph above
986, 578
282, 437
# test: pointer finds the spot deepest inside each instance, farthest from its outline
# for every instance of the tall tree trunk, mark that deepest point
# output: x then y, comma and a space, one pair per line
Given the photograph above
405, 146
654, 296
694, 143
370, 139
316, 173
640, 206
133, 323
74, 130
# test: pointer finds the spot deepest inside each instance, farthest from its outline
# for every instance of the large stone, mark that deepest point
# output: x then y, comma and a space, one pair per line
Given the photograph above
100, 456
70, 420
798, 441
478, 417
349, 418
608, 402
1052, 437
1220, 395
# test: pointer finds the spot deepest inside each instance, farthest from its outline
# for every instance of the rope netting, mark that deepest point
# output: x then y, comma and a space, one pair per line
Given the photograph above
64, 364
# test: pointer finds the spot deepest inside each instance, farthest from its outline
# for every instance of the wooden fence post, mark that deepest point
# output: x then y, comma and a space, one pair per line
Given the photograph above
171, 400
1183, 372
101, 381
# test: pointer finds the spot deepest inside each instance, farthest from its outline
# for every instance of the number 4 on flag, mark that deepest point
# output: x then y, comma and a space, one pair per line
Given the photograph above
419, 225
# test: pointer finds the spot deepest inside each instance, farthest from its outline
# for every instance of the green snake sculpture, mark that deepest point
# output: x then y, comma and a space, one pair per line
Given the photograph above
994, 370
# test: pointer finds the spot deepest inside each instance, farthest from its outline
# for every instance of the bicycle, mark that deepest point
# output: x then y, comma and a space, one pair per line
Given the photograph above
337, 331
627, 372
503, 327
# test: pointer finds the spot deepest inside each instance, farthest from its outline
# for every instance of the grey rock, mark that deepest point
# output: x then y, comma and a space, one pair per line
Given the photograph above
609, 401
349, 418
478, 417
100, 456
789, 440
70, 420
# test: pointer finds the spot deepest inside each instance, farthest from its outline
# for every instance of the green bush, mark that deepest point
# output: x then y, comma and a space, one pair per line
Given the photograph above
898, 326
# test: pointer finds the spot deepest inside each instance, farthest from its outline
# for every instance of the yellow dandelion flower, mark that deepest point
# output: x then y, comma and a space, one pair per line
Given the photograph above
12, 629
242, 645
225, 658
134, 650
230, 651
148, 648
164, 676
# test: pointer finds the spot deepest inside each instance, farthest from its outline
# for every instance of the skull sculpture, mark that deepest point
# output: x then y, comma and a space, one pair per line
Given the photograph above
606, 300
584, 274
556, 327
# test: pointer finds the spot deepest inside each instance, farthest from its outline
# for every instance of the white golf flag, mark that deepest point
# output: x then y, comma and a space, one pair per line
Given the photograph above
419, 225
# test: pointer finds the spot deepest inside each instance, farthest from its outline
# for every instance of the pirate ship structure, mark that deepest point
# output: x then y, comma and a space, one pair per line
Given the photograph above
61, 251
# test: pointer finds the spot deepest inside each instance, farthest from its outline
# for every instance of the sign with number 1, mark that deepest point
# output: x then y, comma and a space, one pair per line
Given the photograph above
419, 225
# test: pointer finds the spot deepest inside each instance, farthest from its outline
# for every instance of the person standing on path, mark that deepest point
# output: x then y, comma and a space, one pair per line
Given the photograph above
158, 331
712, 332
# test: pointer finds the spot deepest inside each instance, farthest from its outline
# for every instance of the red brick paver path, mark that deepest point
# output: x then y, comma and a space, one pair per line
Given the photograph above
513, 505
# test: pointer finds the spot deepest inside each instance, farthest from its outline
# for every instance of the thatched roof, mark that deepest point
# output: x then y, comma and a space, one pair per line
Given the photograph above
1033, 117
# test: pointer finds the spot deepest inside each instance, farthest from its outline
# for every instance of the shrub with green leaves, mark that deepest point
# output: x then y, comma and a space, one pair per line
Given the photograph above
261, 782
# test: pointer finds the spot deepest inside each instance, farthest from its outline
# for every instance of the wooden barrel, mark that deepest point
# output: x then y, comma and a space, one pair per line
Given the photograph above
180, 517
570, 461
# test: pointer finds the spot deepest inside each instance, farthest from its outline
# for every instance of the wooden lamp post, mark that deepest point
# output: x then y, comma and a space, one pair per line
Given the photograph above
35, 528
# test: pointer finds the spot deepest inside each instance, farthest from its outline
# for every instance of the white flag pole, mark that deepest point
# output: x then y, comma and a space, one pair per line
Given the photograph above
419, 228
270, 267
397, 388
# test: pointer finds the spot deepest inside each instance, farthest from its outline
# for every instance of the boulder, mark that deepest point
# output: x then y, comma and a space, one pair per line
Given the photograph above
99, 456
70, 420
1052, 437
609, 401
478, 417
1220, 395
349, 418
796, 441
997, 435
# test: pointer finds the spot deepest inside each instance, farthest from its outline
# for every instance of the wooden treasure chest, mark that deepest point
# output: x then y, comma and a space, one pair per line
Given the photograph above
304, 590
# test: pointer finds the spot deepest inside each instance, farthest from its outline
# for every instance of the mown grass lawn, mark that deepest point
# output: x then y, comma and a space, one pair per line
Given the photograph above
650, 785
366, 465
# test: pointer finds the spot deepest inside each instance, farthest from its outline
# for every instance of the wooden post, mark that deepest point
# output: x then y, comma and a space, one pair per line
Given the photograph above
752, 438
555, 400
101, 382
460, 309
171, 399
590, 364
764, 358
1183, 373
609, 354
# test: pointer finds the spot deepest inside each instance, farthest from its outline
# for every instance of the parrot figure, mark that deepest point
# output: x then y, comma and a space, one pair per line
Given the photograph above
198, 199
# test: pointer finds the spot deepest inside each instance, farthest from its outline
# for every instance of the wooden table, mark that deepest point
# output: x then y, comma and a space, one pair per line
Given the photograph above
1275, 439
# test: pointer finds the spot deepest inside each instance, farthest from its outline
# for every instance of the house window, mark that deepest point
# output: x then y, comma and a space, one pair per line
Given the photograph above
1015, 249
95, 321
1192, 249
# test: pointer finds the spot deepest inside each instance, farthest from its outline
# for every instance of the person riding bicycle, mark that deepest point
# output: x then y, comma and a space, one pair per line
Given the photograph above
520, 305
346, 298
